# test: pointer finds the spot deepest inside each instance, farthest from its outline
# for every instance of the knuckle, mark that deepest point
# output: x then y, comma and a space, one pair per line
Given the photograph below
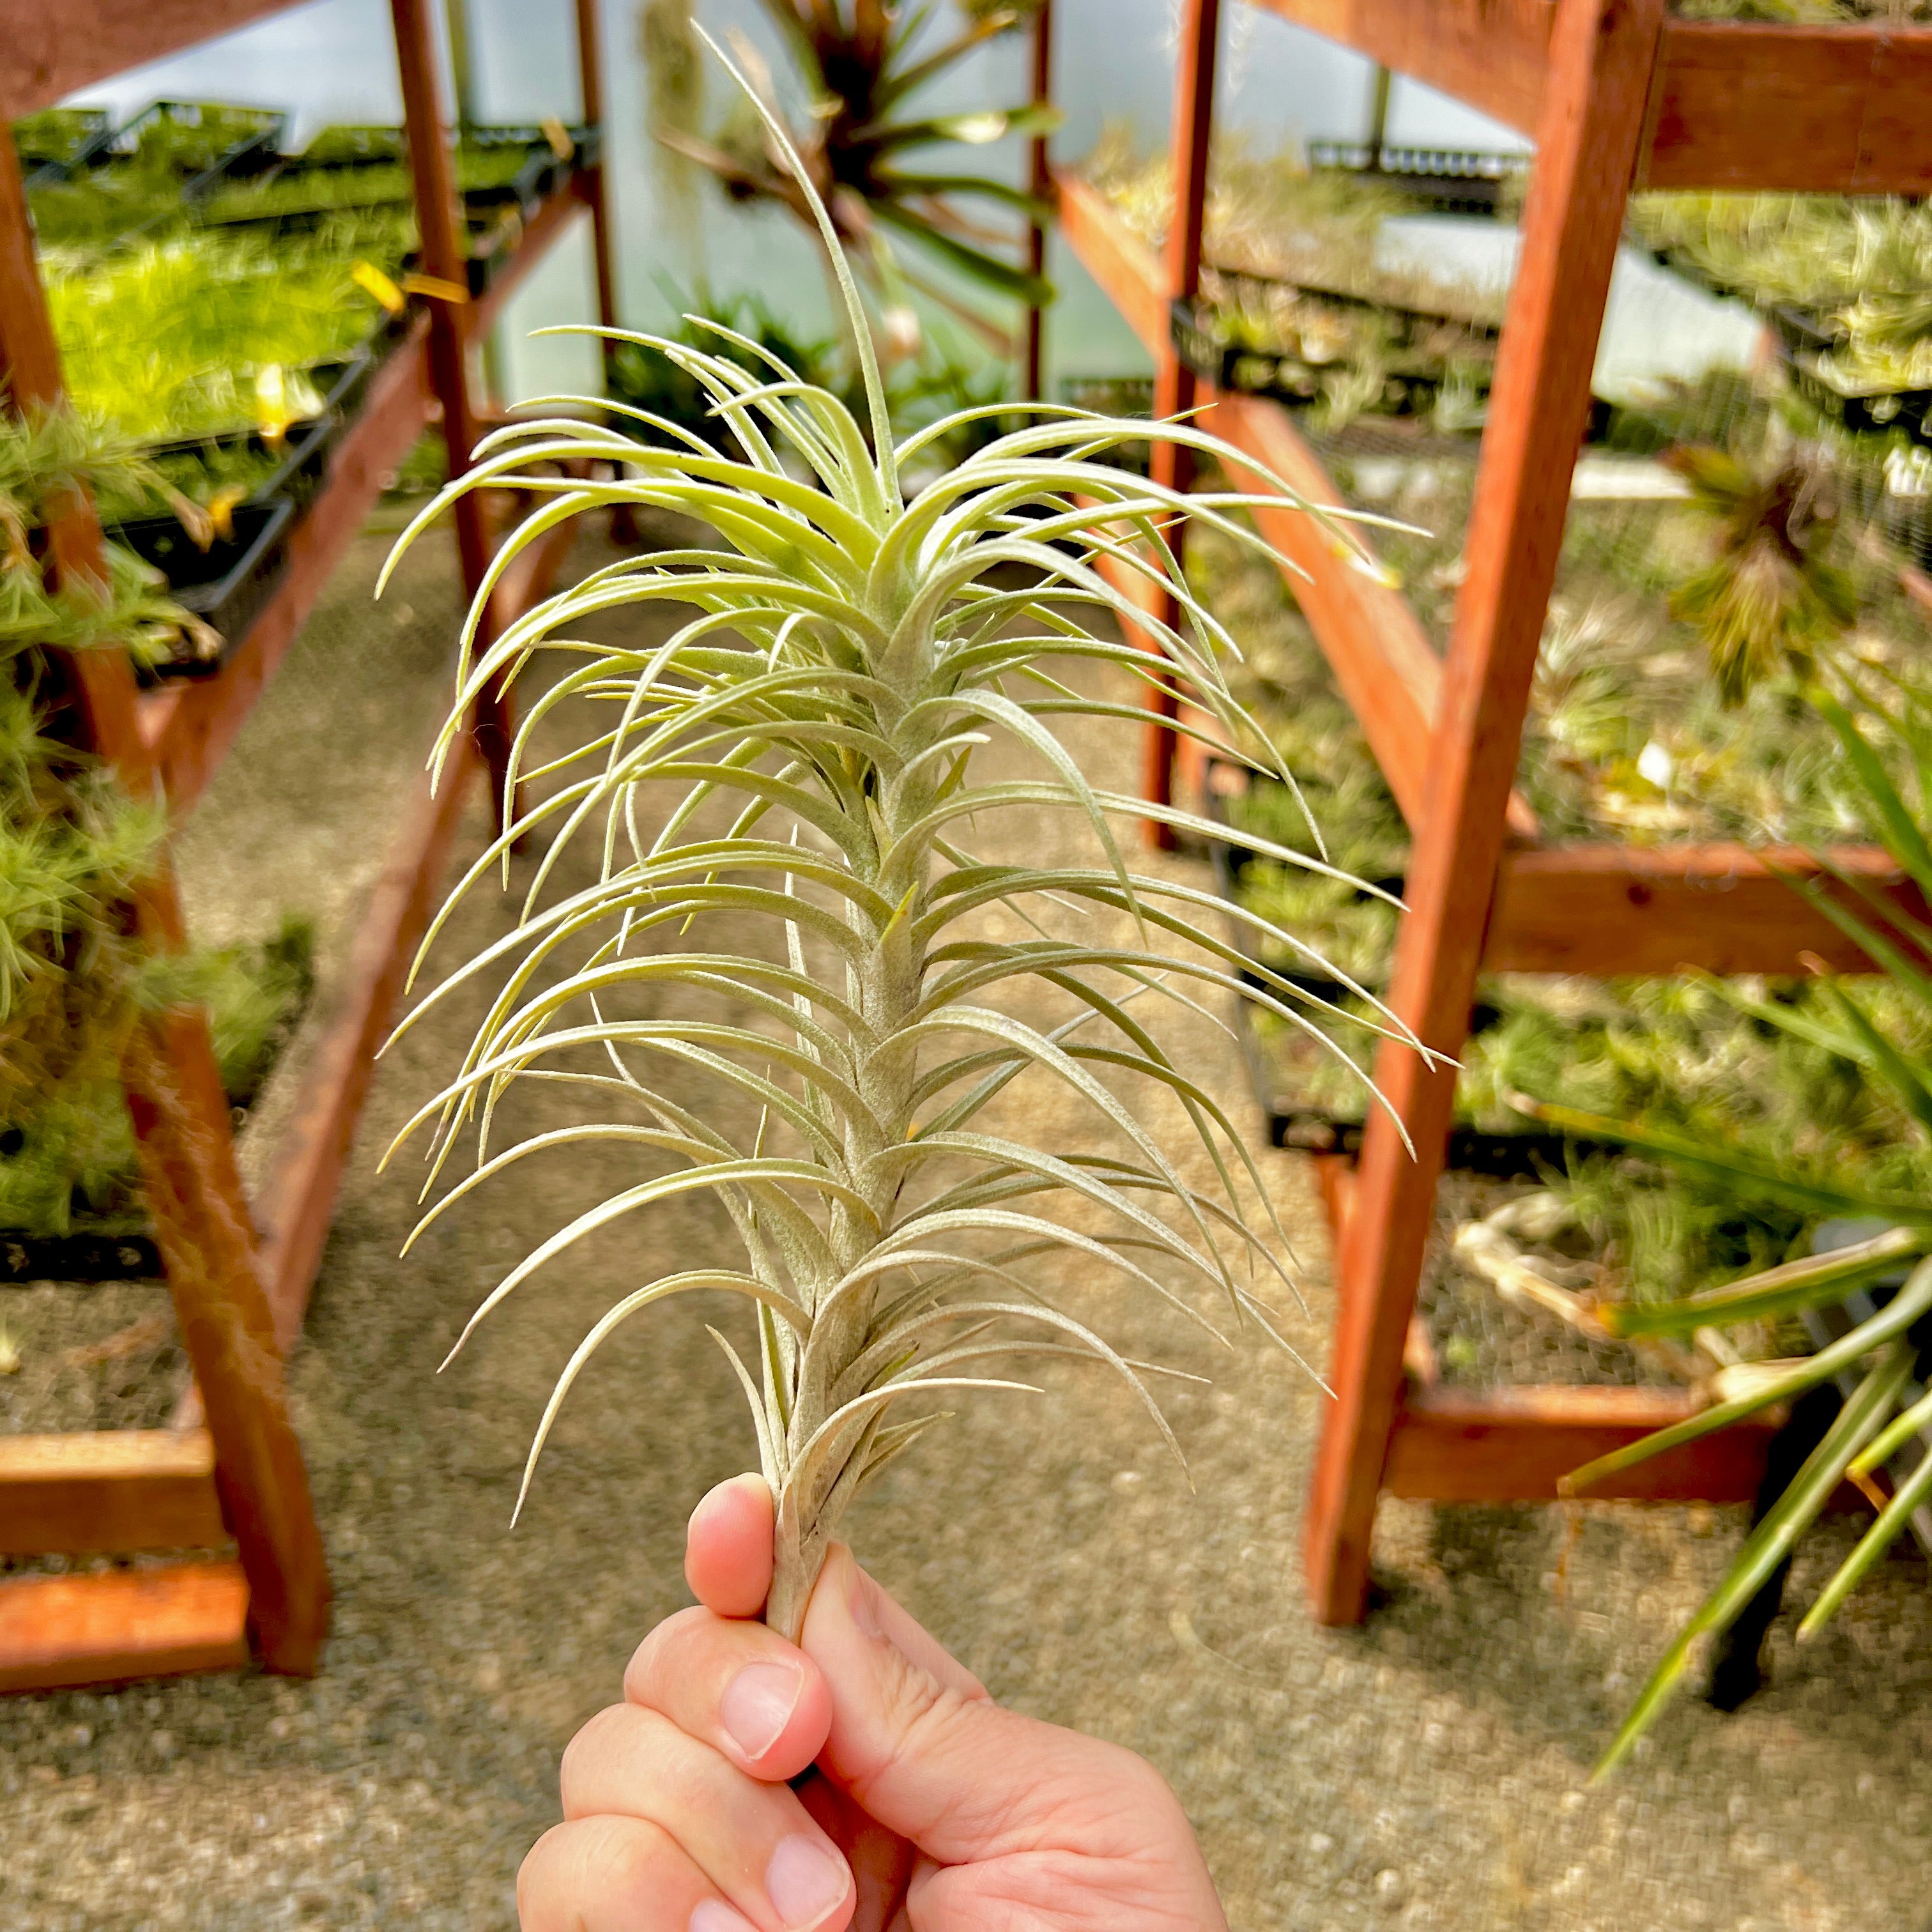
584, 1752
653, 1658
551, 1892
576, 1870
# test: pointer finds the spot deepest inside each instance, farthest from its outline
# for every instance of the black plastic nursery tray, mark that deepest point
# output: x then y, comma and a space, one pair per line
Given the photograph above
255, 149
78, 1257
52, 144
348, 144
554, 153
1239, 370
227, 585
1449, 181
547, 163
1802, 336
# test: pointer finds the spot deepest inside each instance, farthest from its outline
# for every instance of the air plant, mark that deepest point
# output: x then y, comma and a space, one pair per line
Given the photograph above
1880, 1359
814, 721
1770, 600
861, 69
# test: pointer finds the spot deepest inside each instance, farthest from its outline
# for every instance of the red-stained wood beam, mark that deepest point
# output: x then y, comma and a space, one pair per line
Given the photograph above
1602, 53
180, 1118
297, 1195
1124, 266
50, 49
207, 1240
1490, 54
1605, 910
1039, 183
445, 257
1507, 1445
119, 1626
1385, 667
108, 1490
591, 181
1824, 108
1191, 131
1836, 110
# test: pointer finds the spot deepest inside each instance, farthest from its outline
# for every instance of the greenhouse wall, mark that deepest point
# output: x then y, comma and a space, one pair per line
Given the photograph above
1280, 83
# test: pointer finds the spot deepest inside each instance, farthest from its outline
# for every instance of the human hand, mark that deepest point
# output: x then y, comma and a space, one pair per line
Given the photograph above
924, 1807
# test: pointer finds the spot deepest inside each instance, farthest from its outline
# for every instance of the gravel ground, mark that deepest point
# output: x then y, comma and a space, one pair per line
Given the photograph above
1428, 1771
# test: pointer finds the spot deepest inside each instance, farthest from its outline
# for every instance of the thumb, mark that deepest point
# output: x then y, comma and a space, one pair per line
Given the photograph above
916, 1741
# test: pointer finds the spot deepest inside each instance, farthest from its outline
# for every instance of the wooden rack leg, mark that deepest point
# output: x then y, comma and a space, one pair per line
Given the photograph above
201, 1221
181, 1116
590, 70
1039, 185
1602, 53
1174, 386
445, 256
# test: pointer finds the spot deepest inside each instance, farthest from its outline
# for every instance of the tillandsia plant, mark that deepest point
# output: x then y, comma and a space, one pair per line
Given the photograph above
1876, 1279
861, 62
1770, 599
845, 659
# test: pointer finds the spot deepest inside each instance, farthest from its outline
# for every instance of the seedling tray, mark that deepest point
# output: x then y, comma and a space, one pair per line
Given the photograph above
1802, 336
225, 585
543, 171
80, 1257
302, 453
52, 144
349, 146
1241, 370
255, 149
1449, 181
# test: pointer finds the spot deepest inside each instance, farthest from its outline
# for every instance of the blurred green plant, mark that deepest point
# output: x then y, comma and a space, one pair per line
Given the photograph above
211, 331
861, 63
1886, 1348
74, 978
921, 389
1772, 598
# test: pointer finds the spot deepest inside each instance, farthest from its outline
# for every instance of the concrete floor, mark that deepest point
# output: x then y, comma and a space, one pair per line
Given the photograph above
1428, 1771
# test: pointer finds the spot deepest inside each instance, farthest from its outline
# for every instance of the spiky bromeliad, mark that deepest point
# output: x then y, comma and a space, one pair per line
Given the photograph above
845, 655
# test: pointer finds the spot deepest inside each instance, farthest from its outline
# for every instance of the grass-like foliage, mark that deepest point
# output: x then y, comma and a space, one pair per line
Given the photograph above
814, 721
1879, 1432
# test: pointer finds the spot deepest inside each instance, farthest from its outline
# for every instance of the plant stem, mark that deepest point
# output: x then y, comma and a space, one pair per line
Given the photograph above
798, 1554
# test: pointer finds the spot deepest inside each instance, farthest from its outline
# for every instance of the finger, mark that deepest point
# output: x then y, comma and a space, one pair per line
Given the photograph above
756, 1843
916, 1741
618, 1875
737, 1687
727, 1550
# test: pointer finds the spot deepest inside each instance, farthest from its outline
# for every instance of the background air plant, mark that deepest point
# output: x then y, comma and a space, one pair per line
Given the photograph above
860, 69
1770, 599
842, 662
